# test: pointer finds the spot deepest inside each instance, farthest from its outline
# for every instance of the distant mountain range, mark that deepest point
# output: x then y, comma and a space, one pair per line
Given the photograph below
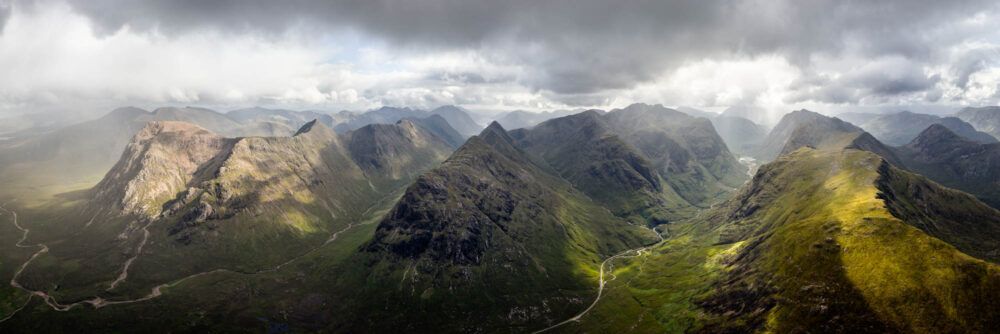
900, 128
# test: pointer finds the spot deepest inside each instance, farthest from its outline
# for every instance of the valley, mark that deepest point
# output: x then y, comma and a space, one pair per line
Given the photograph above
653, 225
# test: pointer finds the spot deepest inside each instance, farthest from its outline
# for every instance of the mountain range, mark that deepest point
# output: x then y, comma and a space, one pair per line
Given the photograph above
639, 219
902, 127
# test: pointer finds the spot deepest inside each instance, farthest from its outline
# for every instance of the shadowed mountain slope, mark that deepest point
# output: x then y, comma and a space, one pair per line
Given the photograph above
901, 128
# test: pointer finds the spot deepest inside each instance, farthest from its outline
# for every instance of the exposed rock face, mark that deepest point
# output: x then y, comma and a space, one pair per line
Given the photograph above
193, 173
157, 164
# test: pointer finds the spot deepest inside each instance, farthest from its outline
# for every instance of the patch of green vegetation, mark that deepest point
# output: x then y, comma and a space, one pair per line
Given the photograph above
809, 245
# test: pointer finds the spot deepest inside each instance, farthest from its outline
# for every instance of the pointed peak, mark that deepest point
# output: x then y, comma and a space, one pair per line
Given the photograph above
495, 132
937, 130
493, 127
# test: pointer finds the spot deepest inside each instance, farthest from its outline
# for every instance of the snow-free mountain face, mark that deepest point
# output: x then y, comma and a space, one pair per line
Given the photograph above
772, 145
386, 227
902, 127
985, 119
956, 162
741, 135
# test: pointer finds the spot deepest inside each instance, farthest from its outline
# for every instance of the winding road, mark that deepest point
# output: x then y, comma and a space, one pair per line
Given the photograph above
98, 302
602, 281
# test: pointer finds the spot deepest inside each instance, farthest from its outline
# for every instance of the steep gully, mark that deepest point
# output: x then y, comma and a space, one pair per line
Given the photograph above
98, 302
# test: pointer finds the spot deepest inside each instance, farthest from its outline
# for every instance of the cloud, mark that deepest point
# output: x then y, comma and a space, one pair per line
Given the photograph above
577, 46
517, 54
878, 80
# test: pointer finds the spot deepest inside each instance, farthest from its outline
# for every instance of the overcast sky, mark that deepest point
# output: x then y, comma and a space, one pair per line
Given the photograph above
828, 56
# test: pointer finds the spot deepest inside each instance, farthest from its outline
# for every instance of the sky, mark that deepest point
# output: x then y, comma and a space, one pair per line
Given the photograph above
768, 55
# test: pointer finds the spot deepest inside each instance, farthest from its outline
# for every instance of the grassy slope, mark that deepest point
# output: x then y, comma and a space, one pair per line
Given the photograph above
808, 246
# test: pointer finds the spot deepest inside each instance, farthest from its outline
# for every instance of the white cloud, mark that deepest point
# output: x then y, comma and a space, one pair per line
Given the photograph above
51, 57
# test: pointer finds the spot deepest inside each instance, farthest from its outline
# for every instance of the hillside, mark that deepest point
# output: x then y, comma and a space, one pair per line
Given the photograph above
824, 240
740, 134
956, 162
519, 119
459, 119
816, 131
687, 151
772, 145
290, 118
985, 119
902, 127
77, 156
441, 128
192, 201
345, 121
518, 253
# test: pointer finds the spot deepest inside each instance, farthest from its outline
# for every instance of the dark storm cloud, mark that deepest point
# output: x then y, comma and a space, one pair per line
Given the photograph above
582, 46
973, 61
4, 15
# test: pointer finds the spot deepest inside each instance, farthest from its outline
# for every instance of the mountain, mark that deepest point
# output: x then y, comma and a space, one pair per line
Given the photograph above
740, 134
955, 161
821, 132
753, 113
516, 231
985, 119
827, 240
395, 152
487, 240
902, 127
459, 119
77, 156
772, 145
441, 128
499, 235
264, 129
525, 119
345, 121
184, 198
687, 151
251, 117
834, 134
584, 150
157, 164
698, 112
858, 118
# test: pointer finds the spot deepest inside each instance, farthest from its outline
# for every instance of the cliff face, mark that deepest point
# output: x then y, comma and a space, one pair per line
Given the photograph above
157, 164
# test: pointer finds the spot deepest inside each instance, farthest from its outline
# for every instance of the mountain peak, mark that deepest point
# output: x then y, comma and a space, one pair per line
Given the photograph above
935, 134
494, 127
